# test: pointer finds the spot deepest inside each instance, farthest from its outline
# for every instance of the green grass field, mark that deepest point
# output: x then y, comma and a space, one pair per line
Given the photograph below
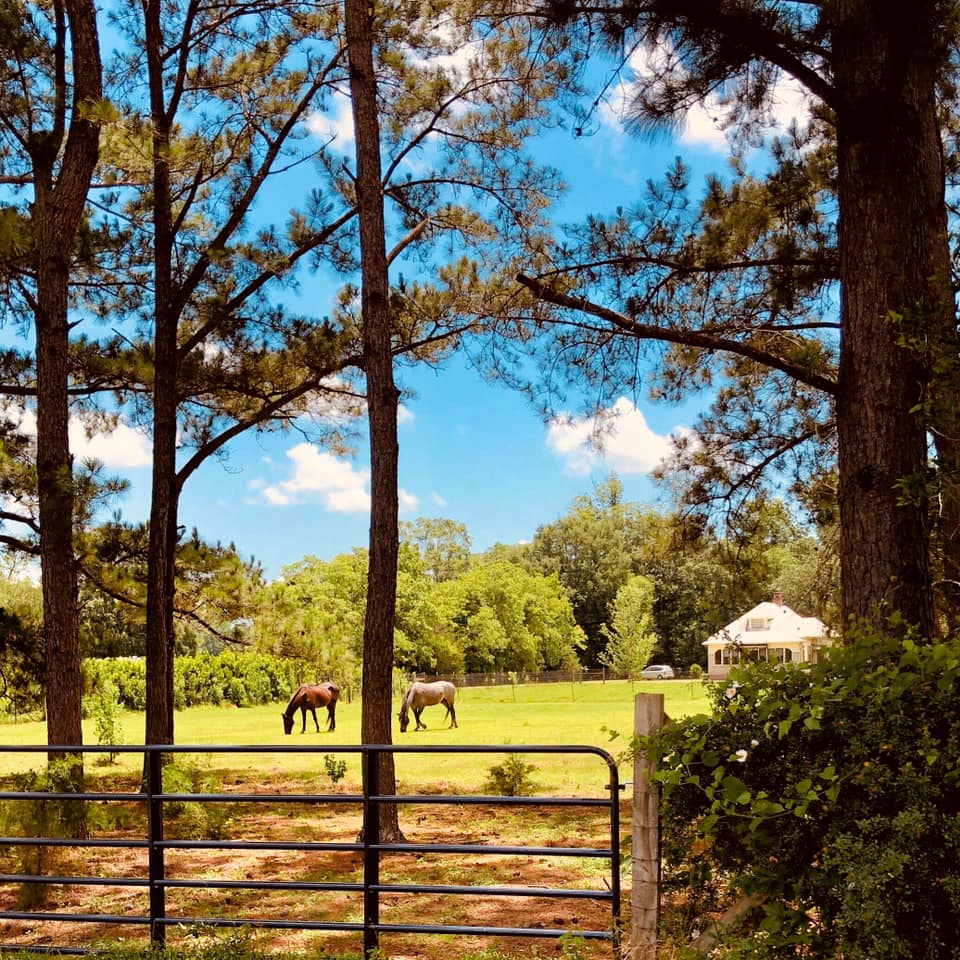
593, 713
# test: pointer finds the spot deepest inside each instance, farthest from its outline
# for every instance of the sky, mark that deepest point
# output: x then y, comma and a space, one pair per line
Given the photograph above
473, 452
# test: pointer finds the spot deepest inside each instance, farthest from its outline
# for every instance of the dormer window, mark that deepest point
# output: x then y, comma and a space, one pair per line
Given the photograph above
758, 623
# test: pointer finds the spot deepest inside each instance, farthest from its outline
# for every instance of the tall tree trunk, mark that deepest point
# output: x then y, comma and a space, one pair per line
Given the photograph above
894, 260
58, 210
382, 403
163, 505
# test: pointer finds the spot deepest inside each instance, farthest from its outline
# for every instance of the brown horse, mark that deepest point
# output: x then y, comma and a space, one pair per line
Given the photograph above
308, 697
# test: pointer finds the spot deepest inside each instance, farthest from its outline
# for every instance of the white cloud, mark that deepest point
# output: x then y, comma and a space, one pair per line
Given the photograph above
335, 124
437, 499
339, 485
121, 447
336, 483
703, 124
618, 438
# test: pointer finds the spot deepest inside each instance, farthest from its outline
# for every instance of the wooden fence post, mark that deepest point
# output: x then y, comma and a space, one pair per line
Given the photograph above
645, 836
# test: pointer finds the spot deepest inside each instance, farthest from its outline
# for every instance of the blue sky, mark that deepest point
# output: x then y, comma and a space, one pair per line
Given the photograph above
476, 453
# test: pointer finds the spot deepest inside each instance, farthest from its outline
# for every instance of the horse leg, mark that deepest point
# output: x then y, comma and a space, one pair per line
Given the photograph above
416, 713
316, 722
303, 719
451, 712
332, 716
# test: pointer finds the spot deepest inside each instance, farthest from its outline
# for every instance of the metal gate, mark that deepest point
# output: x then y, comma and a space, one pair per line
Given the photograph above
370, 888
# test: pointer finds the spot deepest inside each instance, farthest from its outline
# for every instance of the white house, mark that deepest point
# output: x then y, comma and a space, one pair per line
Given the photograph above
770, 631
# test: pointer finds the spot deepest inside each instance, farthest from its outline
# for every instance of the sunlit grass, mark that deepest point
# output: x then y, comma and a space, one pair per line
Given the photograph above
598, 714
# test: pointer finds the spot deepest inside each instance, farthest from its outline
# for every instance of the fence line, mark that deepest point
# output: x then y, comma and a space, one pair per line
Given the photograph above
371, 888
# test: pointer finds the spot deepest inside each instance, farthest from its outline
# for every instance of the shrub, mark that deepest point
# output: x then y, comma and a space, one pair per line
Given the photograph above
832, 793
39, 817
240, 678
336, 768
511, 778
105, 709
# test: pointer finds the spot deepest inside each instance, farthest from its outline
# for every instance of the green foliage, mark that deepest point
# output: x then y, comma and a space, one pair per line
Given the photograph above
506, 618
335, 767
190, 819
443, 544
834, 793
244, 679
594, 550
105, 709
511, 778
43, 818
21, 647
630, 635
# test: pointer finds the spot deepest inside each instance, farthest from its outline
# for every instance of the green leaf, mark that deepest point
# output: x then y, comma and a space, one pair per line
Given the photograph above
735, 790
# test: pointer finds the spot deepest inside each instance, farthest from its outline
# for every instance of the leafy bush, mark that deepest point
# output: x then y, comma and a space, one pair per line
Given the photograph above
335, 767
105, 709
240, 678
39, 817
831, 793
511, 778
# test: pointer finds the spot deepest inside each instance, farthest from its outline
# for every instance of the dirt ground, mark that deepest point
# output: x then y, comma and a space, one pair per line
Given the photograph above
478, 825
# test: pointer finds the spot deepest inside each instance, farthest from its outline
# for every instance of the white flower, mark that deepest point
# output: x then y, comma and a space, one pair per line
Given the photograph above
754, 743
741, 756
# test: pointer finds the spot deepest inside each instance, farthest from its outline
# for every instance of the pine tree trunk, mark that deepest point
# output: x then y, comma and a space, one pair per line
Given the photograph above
163, 505
58, 210
382, 404
894, 260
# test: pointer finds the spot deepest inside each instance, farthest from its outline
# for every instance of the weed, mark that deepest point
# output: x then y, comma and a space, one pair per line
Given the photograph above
511, 778
336, 769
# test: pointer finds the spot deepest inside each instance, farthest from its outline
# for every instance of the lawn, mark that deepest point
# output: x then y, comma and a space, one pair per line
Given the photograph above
593, 713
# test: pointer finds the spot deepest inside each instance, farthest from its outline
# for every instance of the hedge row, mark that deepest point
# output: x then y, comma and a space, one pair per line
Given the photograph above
244, 679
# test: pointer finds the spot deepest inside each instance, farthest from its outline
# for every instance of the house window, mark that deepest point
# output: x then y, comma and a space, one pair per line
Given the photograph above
757, 623
779, 655
728, 655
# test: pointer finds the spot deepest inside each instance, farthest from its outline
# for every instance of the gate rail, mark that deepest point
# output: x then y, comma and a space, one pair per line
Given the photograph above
371, 886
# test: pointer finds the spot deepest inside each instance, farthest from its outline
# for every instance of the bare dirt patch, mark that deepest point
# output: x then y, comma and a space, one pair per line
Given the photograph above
480, 826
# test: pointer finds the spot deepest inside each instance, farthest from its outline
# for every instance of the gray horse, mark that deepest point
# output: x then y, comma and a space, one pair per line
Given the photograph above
422, 695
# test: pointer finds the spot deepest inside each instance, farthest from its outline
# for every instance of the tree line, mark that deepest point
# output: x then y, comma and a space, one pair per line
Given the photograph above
610, 583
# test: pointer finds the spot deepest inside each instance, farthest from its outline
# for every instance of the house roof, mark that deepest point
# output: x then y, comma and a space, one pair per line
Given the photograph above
781, 625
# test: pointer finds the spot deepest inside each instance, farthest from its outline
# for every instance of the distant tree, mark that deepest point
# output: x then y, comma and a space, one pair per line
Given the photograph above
313, 612
594, 549
506, 618
215, 588
109, 627
630, 635
443, 544
21, 647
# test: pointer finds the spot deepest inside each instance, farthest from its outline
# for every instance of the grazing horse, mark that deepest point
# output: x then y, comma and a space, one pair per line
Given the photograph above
308, 697
422, 695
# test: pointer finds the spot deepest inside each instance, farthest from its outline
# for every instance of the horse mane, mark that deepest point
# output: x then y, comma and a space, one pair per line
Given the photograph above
294, 700
405, 704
